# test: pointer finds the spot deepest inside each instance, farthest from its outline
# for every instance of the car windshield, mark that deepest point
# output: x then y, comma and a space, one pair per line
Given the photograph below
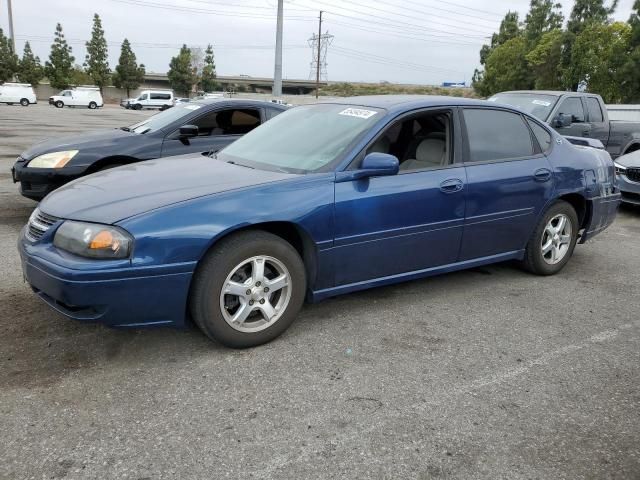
303, 139
536, 104
162, 119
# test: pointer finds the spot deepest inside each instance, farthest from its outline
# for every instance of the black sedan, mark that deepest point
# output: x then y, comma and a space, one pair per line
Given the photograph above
203, 126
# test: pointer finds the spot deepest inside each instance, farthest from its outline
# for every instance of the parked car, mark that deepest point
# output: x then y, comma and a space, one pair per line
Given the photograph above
21, 93
178, 101
161, 99
322, 200
200, 127
628, 174
576, 114
89, 97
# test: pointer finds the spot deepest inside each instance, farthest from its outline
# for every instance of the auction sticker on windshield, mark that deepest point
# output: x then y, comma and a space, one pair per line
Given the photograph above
358, 112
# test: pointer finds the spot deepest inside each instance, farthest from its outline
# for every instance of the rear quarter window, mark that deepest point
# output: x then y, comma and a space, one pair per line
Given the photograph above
496, 135
542, 135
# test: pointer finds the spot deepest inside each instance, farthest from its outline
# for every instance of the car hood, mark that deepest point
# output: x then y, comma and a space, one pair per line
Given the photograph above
97, 139
630, 159
118, 193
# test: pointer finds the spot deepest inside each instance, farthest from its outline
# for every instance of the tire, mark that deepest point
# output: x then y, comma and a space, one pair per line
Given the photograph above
232, 263
137, 107
93, 105
557, 243
59, 104
24, 102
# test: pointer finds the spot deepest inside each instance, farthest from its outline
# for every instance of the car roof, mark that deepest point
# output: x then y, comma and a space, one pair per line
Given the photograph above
397, 102
243, 101
554, 93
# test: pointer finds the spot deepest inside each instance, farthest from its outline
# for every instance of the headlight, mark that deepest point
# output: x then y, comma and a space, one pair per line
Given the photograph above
52, 160
620, 170
93, 240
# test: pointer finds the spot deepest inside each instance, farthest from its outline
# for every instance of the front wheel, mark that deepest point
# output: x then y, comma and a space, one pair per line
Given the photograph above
59, 104
24, 102
248, 290
137, 107
553, 241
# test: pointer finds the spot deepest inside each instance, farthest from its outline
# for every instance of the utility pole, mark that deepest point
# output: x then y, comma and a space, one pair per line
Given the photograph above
277, 74
11, 34
318, 62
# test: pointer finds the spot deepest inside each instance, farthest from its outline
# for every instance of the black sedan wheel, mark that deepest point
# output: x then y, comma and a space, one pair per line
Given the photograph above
552, 243
248, 290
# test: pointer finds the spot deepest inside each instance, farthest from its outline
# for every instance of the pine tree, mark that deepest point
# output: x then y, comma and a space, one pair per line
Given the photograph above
180, 73
630, 73
8, 59
30, 69
208, 80
128, 75
59, 68
544, 16
96, 61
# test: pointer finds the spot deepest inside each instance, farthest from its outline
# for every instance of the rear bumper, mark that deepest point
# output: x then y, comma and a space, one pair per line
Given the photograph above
37, 183
603, 213
630, 190
123, 297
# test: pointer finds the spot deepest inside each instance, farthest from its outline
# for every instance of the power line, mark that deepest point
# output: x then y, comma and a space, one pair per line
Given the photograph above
427, 38
396, 23
430, 15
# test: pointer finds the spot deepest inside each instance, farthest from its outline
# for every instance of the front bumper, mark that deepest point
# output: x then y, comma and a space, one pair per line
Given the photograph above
630, 190
117, 297
37, 183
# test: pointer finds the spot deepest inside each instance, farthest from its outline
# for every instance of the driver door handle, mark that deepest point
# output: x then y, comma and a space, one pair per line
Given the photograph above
451, 185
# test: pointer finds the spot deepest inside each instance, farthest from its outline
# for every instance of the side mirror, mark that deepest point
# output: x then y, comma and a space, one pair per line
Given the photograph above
377, 165
188, 131
562, 120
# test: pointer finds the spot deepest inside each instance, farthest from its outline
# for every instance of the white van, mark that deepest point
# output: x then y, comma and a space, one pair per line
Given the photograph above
161, 99
21, 93
78, 97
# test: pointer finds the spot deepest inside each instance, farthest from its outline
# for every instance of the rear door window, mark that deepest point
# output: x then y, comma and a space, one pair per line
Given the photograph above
595, 112
573, 106
496, 135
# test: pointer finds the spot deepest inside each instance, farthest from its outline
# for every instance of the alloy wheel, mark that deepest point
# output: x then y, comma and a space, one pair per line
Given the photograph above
556, 239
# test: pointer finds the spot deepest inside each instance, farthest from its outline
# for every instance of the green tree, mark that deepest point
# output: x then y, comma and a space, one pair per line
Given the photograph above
96, 61
181, 76
208, 79
583, 14
30, 69
79, 76
60, 65
597, 58
544, 61
128, 75
630, 72
544, 16
509, 29
506, 68
8, 59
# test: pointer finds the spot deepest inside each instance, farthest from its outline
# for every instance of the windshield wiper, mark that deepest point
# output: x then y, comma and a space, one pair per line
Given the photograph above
240, 164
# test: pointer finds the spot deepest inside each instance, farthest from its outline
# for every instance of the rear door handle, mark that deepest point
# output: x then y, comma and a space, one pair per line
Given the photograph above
452, 185
542, 175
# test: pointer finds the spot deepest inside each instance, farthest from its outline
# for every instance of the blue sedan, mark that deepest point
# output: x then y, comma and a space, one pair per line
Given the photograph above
322, 200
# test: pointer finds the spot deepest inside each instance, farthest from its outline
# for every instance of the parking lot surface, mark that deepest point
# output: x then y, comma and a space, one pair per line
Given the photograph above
490, 373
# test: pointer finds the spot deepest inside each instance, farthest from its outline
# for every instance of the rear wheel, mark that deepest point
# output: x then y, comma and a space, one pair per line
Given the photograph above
59, 104
24, 102
93, 105
553, 241
248, 289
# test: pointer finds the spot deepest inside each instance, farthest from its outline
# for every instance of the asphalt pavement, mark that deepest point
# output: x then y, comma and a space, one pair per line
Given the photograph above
491, 373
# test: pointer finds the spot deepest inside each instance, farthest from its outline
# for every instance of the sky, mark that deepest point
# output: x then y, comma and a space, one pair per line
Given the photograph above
400, 41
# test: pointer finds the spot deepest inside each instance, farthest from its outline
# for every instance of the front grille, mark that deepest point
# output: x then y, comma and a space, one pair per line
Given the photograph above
633, 174
39, 223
